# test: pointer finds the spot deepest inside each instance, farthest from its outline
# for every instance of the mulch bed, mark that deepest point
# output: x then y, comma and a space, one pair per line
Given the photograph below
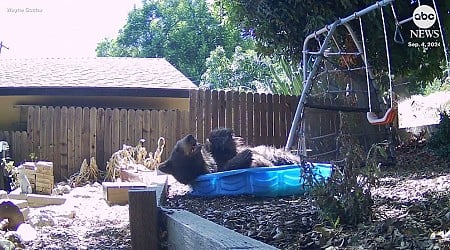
412, 211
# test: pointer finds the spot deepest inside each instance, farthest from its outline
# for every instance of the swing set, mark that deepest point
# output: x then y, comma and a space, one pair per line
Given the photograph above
335, 64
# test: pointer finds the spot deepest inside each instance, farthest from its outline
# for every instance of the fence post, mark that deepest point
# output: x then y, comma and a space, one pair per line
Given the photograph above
143, 212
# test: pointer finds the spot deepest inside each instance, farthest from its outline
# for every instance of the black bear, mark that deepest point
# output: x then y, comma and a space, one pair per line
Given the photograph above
222, 151
189, 159
186, 161
223, 146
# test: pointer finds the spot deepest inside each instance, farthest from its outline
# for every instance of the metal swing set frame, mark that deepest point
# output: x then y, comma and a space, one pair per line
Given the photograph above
318, 56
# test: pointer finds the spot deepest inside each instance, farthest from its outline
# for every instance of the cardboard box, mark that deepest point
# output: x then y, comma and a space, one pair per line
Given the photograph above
43, 190
44, 178
117, 192
44, 167
29, 165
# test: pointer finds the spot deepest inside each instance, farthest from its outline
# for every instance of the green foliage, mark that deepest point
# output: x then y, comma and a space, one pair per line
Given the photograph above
346, 198
33, 156
437, 85
279, 28
288, 80
182, 31
439, 141
244, 70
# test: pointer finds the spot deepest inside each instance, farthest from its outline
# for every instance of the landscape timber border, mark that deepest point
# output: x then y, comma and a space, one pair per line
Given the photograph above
184, 230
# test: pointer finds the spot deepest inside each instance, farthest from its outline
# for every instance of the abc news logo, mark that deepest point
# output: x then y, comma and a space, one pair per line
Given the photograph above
424, 17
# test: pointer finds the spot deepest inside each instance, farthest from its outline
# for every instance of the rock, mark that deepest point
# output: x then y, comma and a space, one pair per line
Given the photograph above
66, 189
14, 237
42, 220
7, 245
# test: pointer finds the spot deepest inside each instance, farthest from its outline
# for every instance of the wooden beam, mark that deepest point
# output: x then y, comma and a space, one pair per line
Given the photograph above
186, 230
143, 218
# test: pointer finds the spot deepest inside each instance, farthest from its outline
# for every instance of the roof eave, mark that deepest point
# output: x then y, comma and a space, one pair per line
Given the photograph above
94, 91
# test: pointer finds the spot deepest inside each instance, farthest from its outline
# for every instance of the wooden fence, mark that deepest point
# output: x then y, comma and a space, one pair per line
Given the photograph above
68, 135
258, 118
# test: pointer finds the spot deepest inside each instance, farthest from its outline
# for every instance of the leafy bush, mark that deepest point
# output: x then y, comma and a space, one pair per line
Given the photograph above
439, 141
346, 198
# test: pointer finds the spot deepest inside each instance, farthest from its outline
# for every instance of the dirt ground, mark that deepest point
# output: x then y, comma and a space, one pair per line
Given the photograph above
412, 211
84, 221
411, 206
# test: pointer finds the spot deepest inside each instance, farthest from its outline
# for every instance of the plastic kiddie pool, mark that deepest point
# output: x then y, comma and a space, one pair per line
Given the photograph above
264, 181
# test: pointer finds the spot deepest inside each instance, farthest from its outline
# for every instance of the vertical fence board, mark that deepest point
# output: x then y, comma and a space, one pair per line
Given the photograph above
185, 119
263, 122
30, 120
57, 133
146, 129
250, 116
236, 114
71, 137
203, 122
257, 119
100, 139
178, 124
107, 143
43, 133
92, 133
123, 127
11, 138
51, 138
270, 121
24, 146
154, 127
169, 128
163, 129
64, 171
131, 116
207, 116
276, 121
222, 107
85, 135
229, 123
77, 147
283, 129
193, 110
138, 125
214, 110
292, 106
36, 132
115, 131
242, 102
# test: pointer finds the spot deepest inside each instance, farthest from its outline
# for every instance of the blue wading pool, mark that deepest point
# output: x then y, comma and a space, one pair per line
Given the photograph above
264, 181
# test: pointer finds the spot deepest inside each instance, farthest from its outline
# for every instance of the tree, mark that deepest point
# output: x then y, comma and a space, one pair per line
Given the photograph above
244, 70
182, 31
279, 28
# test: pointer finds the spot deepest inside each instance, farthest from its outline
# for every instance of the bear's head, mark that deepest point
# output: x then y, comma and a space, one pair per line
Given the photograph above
186, 161
222, 146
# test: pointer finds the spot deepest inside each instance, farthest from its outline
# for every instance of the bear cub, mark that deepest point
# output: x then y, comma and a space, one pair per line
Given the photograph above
222, 151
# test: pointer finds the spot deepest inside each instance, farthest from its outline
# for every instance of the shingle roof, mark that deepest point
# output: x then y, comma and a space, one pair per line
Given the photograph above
102, 73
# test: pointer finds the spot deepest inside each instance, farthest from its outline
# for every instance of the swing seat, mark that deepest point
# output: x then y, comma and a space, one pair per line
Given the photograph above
388, 117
